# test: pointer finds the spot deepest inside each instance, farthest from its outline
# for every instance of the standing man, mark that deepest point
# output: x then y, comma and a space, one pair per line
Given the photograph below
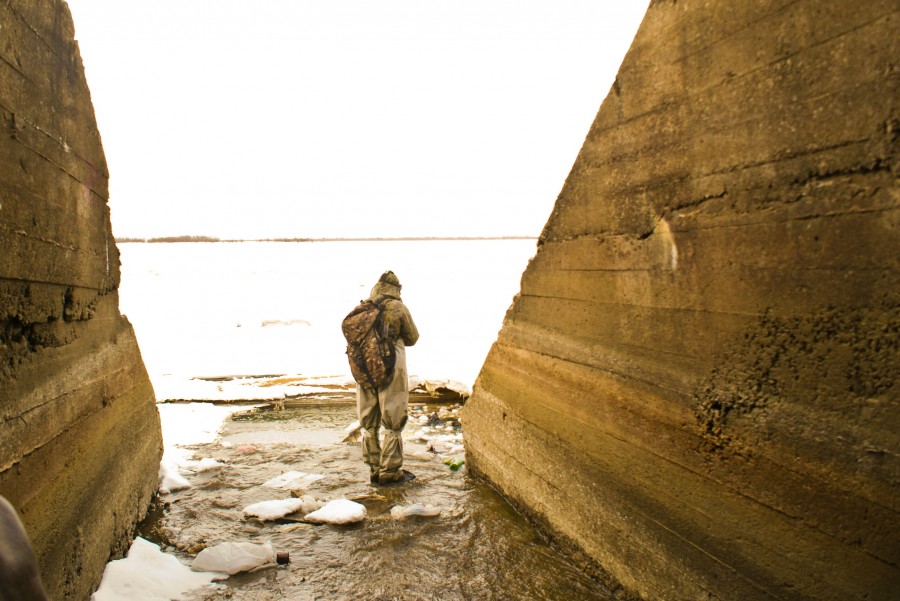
387, 405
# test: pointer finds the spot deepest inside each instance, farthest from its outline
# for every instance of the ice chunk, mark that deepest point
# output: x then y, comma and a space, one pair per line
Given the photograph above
272, 510
338, 511
310, 504
292, 480
170, 480
232, 558
205, 464
148, 574
399, 512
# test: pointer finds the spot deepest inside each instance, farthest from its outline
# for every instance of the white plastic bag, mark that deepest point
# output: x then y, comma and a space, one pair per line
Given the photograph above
232, 558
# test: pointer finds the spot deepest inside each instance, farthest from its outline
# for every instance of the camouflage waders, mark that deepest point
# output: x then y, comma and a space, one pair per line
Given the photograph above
385, 408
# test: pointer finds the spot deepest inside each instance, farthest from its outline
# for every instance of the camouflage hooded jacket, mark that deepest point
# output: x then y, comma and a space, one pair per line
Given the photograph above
398, 322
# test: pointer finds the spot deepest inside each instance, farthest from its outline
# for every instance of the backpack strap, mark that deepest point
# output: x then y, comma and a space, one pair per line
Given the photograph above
381, 303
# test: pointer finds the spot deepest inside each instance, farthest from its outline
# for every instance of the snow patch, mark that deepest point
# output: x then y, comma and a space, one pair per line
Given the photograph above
338, 511
273, 510
148, 574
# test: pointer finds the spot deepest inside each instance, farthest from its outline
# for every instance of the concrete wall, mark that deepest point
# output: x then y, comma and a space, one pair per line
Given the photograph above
697, 384
80, 440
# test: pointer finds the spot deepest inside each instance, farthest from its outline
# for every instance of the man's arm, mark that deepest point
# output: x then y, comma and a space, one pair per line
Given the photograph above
408, 330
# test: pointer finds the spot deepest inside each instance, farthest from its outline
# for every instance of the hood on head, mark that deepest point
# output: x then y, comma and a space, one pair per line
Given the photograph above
388, 285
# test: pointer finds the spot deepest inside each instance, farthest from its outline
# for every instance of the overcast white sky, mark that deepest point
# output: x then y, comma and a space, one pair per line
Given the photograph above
342, 118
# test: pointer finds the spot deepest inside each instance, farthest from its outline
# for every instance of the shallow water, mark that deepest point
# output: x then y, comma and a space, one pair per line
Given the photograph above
478, 548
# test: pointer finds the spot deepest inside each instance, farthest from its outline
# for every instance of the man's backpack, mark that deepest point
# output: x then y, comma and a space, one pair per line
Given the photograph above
371, 354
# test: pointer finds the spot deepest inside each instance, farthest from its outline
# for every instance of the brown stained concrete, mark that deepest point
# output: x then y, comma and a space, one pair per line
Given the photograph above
696, 387
80, 440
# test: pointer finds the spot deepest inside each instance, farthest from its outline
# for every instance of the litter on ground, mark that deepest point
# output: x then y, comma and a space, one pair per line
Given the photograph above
231, 558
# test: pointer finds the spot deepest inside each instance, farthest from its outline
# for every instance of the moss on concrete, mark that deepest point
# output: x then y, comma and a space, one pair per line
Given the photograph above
81, 442
697, 384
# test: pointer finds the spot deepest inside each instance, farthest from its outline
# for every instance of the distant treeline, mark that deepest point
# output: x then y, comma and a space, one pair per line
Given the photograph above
171, 239
398, 239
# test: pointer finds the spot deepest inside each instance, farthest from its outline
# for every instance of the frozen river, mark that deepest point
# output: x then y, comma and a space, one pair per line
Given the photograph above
261, 308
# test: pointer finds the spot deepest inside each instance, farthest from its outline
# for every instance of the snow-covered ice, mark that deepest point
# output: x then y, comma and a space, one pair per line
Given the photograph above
187, 424
243, 388
148, 574
193, 423
338, 511
170, 480
203, 465
273, 510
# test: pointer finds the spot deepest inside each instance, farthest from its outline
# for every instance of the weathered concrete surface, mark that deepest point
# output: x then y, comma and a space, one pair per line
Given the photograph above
80, 439
697, 385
